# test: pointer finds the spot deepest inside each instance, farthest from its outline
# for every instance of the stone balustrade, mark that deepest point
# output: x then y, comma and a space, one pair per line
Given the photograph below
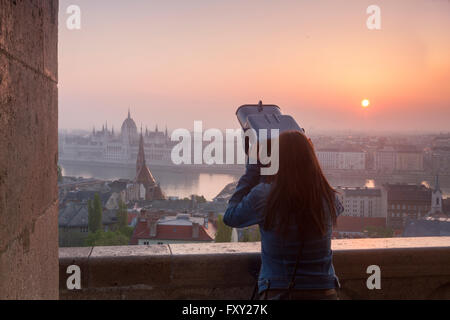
411, 268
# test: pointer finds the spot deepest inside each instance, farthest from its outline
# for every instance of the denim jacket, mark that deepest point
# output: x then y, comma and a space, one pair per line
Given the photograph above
279, 254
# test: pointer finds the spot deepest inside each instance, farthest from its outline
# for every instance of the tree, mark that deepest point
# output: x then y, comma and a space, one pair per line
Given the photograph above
223, 233
110, 238
98, 237
199, 199
122, 221
122, 215
379, 232
245, 237
91, 219
251, 235
95, 214
256, 235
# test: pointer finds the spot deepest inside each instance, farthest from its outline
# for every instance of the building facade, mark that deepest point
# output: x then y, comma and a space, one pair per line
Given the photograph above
385, 159
398, 159
168, 227
440, 154
341, 159
145, 186
107, 146
408, 158
406, 201
362, 202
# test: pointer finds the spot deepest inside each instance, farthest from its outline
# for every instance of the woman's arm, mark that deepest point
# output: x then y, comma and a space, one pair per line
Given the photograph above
246, 205
250, 179
339, 206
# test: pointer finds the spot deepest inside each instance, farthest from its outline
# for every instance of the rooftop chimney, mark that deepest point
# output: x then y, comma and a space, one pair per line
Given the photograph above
152, 224
195, 230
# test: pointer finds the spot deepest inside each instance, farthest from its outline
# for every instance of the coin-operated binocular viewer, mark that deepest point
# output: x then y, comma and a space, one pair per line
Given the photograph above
262, 119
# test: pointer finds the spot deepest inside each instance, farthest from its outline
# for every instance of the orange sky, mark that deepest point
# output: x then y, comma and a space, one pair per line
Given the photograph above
174, 62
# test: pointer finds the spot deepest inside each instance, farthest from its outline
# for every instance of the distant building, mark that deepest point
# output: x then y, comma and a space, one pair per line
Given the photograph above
440, 154
73, 224
105, 146
436, 223
355, 227
362, 202
149, 186
446, 206
163, 228
400, 158
226, 193
144, 186
342, 158
408, 158
428, 227
436, 198
385, 159
406, 201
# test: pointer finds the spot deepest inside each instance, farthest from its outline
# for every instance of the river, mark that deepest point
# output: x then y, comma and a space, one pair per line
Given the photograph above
184, 183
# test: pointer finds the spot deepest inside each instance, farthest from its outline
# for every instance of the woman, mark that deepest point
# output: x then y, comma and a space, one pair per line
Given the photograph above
295, 210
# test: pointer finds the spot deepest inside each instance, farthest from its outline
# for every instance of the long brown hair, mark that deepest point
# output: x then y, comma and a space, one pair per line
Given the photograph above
300, 192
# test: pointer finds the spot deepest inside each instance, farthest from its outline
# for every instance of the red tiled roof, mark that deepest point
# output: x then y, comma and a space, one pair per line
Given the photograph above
131, 216
171, 232
145, 177
357, 224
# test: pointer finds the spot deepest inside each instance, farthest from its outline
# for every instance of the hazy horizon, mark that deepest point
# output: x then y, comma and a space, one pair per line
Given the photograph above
176, 62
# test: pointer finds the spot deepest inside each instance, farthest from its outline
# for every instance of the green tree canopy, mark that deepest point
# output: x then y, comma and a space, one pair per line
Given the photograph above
379, 232
91, 219
122, 215
223, 233
251, 235
110, 238
95, 214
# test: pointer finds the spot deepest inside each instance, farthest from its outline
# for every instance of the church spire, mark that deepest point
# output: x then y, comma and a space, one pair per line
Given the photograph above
140, 162
437, 186
436, 197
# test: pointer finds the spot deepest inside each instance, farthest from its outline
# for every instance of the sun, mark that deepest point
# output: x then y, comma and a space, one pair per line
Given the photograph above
365, 103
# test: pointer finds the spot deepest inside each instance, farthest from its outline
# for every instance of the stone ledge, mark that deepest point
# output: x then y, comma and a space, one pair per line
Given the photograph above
411, 268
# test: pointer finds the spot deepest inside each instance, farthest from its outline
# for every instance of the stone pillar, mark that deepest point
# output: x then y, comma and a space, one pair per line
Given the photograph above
28, 149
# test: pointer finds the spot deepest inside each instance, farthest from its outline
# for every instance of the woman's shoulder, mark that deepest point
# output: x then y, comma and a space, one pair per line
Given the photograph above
261, 190
257, 198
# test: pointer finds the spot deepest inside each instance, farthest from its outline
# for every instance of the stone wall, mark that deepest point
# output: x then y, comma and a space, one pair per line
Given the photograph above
28, 149
411, 268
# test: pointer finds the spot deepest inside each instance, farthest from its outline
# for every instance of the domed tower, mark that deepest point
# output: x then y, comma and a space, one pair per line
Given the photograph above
129, 131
